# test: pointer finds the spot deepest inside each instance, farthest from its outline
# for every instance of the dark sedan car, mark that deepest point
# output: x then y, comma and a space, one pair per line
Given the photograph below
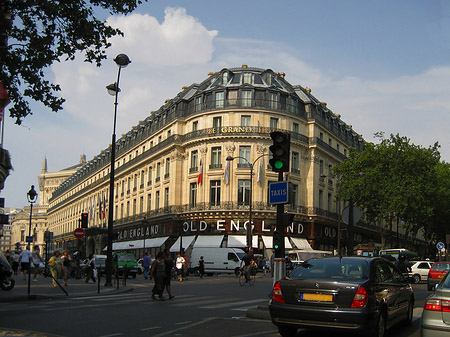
366, 295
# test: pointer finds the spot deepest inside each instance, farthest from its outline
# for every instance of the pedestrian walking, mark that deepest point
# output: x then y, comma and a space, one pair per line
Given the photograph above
179, 264
90, 269
201, 266
158, 273
168, 262
25, 261
37, 259
55, 264
15, 262
67, 265
146, 263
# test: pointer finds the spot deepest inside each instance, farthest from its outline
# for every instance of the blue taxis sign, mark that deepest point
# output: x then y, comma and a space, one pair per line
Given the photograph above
278, 193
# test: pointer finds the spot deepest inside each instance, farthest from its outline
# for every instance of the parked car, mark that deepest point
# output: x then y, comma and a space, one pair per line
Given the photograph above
435, 320
358, 294
419, 270
437, 273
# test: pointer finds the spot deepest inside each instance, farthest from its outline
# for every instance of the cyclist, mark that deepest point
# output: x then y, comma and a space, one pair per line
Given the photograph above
247, 261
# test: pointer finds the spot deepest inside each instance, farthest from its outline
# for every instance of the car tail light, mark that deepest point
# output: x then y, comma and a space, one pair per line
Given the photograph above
277, 294
436, 304
361, 298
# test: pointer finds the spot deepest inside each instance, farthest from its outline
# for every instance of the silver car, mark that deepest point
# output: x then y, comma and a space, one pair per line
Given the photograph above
435, 320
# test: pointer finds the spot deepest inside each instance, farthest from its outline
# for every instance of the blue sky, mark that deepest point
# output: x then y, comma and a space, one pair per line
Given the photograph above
382, 65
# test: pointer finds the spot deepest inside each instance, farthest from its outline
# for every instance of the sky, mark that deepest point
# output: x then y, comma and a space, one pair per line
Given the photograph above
384, 66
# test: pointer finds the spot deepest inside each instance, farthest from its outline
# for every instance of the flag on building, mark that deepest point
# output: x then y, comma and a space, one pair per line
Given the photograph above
104, 207
100, 209
259, 176
200, 173
226, 175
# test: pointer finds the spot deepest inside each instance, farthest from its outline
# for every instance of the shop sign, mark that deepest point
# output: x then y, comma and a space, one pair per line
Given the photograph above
234, 226
138, 232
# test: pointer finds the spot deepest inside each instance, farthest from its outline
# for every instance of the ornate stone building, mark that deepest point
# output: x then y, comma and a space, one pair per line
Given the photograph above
172, 178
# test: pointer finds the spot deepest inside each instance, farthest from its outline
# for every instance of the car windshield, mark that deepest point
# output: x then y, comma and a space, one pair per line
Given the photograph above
127, 258
331, 268
100, 260
441, 266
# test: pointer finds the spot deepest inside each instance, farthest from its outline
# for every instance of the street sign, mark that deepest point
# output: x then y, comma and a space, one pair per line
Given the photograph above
346, 215
79, 233
440, 245
29, 239
278, 193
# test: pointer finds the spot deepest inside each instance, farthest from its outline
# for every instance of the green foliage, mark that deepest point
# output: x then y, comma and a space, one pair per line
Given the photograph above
397, 178
42, 32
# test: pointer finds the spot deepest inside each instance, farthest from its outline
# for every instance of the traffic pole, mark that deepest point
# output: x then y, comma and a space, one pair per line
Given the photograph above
279, 264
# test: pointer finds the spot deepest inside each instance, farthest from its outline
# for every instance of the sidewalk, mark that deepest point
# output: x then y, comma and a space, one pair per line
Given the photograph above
43, 289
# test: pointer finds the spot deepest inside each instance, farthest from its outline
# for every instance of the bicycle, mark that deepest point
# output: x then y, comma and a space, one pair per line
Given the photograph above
251, 278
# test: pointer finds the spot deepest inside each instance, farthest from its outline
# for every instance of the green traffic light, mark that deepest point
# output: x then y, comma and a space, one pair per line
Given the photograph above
276, 246
278, 164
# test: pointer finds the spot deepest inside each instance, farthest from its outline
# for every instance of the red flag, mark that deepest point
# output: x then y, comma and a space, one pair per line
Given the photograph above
200, 173
104, 207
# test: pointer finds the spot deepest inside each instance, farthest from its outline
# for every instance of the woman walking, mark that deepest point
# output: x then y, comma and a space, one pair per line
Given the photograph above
158, 272
55, 264
67, 263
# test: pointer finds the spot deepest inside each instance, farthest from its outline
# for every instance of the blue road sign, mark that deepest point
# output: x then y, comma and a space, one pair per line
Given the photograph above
29, 239
440, 245
278, 193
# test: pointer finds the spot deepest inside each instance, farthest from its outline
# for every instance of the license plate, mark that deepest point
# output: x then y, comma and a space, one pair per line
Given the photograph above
316, 297
440, 276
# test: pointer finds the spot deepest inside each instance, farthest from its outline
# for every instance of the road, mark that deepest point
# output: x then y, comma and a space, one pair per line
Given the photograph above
214, 305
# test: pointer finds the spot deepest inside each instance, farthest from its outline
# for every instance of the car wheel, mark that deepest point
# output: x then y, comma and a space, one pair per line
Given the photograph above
416, 278
409, 314
287, 331
380, 327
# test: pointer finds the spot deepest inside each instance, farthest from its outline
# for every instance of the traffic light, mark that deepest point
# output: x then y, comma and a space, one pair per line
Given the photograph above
280, 151
84, 220
278, 243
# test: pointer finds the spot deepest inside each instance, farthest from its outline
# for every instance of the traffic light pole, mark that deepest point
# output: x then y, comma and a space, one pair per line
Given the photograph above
279, 261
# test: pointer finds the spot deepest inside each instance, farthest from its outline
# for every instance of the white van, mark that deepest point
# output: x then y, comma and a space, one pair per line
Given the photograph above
217, 260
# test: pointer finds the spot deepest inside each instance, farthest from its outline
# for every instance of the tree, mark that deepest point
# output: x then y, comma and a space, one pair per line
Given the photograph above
398, 180
34, 34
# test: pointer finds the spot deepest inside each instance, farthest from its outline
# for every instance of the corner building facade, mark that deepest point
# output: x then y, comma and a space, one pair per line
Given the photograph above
172, 178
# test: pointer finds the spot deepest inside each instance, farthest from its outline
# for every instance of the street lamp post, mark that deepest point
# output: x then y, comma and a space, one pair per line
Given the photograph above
32, 197
122, 61
249, 227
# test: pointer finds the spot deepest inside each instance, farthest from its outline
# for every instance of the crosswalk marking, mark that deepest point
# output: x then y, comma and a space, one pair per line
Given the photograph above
224, 305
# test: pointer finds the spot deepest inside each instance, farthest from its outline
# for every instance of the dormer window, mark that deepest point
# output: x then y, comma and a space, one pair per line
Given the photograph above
247, 78
225, 78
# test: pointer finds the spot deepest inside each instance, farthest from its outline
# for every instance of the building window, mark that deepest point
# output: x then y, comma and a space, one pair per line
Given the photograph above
217, 123
246, 99
273, 100
337, 147
134, 207
214, 193
245, 120
216, 155
294, 199
142, 178
128, 209
321, 136
321, 167
198, 104
244, 192
128, 186
273, 123
149, 202
141, 205
220, 99
157, 200
159, 139
195, 126
345, 152
158, 171
295, 162
122, 192
232, 97
224, 78
150, 175
330, 142
320, 199
167, 170
194, 161
193, 194
135, 183
169, 133
295, 128
166, 197
329, 202
121, 211
244, 156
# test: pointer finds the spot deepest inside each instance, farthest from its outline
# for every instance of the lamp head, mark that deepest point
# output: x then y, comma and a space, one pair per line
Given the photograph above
32, 195
112, 89
230, 158
122, 60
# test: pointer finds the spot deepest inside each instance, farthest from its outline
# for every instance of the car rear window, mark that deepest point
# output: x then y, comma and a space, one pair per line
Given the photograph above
127, 258
334, 269
440, 266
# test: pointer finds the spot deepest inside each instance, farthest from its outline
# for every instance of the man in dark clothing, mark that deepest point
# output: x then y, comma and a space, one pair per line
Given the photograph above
168, 262
247, 261
402, 263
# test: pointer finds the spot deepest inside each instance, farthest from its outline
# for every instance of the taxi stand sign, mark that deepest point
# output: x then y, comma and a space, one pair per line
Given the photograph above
278, 193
